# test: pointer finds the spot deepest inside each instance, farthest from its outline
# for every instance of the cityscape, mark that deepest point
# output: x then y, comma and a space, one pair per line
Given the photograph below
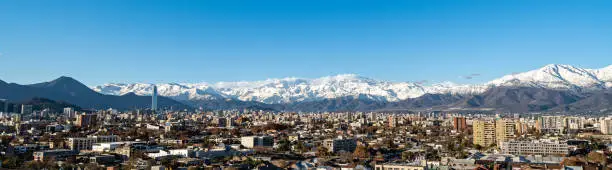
152, 138
390, 85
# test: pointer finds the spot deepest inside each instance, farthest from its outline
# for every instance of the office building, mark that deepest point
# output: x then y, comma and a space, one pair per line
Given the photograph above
459, 124
537, 147
26, 109
257, 141
221, 122
4, 105
484, 132
340, 144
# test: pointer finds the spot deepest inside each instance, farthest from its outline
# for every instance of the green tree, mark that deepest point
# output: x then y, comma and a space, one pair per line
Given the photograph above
284, 145
11, 162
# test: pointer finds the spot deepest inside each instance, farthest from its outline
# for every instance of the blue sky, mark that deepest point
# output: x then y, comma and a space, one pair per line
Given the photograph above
231, 40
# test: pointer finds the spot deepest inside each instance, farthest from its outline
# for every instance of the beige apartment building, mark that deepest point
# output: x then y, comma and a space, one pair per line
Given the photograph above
484, 132
504, 130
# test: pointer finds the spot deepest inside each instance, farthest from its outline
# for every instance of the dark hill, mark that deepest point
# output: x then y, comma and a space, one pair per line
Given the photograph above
72, 91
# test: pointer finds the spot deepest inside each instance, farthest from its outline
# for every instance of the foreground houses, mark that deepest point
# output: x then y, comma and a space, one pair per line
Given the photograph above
142, 139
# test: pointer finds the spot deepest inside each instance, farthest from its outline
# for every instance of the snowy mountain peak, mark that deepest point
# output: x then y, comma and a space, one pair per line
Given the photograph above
556, 76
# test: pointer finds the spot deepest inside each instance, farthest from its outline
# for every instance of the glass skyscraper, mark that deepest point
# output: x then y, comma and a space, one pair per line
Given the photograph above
154, 99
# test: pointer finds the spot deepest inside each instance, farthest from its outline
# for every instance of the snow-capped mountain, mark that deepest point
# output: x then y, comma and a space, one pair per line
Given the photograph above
560, 77
288, 90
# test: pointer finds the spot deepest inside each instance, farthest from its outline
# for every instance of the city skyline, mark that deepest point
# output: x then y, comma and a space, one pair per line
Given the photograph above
112, 41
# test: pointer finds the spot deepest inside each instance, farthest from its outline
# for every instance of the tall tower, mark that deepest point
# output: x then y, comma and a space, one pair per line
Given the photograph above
154, 99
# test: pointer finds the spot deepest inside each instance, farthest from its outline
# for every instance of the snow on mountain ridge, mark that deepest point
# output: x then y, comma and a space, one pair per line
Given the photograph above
558, 76
285, 90
292, 89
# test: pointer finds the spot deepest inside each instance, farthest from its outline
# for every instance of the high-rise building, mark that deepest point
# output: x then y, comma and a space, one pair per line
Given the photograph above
154, 99
484, 132
392, 121
230, 122
26, 109
86, 120
504, 130
550, 124
573, 123
4, 106
69, 112
605, 126
459, 124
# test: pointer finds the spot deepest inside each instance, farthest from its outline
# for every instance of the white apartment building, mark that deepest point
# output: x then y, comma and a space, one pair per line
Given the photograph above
605, 126
574, 123
87, 143
550, 124
538, 147
78, 144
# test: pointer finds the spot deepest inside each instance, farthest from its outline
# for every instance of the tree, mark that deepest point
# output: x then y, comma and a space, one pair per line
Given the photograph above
301, 147
571, 161
322, 151
346, 156
361, 152
11, 162
284, 145
597, 158
408, 156
477, 147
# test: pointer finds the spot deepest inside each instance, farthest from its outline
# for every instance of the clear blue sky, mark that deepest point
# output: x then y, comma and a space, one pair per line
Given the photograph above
208, 41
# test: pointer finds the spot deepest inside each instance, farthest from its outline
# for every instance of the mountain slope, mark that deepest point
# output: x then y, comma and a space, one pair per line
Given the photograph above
595, 102
51, 105
519, 99
71, 91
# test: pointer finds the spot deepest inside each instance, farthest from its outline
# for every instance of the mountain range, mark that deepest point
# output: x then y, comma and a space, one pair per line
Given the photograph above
552, 88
